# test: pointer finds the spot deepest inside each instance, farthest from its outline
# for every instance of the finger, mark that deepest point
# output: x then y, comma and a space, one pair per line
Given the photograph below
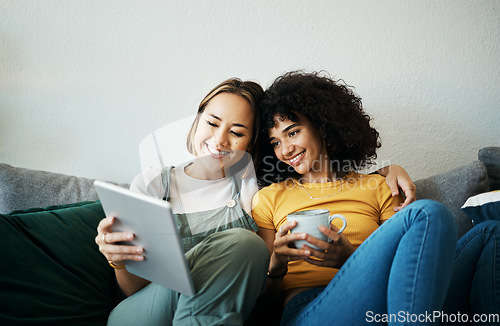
332, 233
393, 185
319, 262
410, 195
407, 202
322, 245
398, 208
112, 249
103, 228
105, 224
119, 253
287, 241
298, 254
120, 258
286, 227
113, 237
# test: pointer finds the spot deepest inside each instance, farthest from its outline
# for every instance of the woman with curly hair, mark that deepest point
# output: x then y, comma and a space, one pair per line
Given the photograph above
382, 268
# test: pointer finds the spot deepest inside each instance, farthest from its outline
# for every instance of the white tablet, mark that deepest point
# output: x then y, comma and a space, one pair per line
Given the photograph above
152, 222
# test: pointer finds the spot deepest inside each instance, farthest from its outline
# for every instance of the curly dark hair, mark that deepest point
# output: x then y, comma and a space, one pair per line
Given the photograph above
332, 108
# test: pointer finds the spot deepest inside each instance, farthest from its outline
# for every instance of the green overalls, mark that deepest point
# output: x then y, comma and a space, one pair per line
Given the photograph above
228, 265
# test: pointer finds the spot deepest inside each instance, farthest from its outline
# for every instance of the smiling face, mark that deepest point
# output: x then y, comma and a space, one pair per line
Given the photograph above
225, 126
300, 145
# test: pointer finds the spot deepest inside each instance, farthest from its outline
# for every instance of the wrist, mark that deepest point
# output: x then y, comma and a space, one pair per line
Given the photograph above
119, 265
277, 273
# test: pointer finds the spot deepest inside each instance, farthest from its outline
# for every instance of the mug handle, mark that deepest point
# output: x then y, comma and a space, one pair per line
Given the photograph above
342, 217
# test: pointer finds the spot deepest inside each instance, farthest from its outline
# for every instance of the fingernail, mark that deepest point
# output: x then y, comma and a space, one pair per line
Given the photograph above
130, 236
139, 250
140, 257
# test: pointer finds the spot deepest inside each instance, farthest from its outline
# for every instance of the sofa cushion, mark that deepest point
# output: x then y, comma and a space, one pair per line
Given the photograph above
490, 156
452, 189
52, 271
22, 188
482, 207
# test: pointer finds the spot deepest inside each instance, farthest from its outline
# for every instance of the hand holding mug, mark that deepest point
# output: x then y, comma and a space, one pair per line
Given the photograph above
309, 222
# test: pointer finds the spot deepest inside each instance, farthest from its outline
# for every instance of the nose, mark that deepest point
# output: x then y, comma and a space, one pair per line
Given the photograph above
221, 139
286, 148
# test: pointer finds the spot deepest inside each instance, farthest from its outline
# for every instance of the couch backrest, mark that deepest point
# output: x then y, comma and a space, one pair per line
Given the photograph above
22, 188
452, 188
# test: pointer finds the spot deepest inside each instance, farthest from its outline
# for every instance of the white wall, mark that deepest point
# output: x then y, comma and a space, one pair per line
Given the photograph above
82, 82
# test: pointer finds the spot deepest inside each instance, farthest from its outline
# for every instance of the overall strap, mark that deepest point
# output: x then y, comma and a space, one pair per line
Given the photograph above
165, 175
235, 194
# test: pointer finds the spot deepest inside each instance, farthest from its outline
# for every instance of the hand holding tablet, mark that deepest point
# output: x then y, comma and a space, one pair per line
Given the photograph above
152, 222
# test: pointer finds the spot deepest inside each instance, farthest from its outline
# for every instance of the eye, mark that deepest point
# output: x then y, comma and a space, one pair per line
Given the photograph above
211, 124
237, 134
293, 133
275, 144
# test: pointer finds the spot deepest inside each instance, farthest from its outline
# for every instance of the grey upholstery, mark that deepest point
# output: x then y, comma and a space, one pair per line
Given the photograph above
490, 156
22, 188
452, 189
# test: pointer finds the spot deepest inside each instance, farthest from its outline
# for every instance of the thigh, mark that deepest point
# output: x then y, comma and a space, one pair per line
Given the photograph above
388, 273
475, 280
229, 271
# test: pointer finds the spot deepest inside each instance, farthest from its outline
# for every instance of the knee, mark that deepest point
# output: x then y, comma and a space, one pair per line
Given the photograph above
245, 243
491, 226
247, 249
429, 205
434, 212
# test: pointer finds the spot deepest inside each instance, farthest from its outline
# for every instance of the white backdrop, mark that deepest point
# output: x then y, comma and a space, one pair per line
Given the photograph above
82, 82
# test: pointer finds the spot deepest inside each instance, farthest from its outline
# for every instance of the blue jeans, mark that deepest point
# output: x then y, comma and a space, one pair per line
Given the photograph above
401, 271
475, 280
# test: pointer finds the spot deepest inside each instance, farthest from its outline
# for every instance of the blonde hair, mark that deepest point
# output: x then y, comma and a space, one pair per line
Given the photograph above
250, 91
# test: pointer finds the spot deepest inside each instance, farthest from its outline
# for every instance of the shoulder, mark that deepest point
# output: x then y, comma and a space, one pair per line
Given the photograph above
147, 175
366, 179
270, 194
370, 186
148, 182
274, 189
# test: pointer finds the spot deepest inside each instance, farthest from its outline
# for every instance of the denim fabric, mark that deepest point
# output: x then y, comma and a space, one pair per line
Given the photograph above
403, 269
475, 278
299, 302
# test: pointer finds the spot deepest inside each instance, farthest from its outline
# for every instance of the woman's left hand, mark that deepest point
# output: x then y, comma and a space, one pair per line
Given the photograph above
337, 251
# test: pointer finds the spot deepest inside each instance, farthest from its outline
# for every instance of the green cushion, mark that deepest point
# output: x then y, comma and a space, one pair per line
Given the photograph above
52, 272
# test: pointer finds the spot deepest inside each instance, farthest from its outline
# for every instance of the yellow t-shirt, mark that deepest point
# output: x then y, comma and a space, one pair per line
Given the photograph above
365, 201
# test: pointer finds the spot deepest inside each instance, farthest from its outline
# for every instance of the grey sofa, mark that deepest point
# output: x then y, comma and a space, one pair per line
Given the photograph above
52, 272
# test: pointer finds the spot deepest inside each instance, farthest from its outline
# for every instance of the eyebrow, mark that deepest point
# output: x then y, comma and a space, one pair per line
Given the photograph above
234, 124
284, 131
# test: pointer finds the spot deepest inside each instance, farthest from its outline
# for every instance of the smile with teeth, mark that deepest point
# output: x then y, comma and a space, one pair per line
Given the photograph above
216, 153
296, 159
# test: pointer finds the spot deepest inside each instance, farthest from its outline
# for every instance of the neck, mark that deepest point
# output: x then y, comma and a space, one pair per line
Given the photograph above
321, 177
199, 170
